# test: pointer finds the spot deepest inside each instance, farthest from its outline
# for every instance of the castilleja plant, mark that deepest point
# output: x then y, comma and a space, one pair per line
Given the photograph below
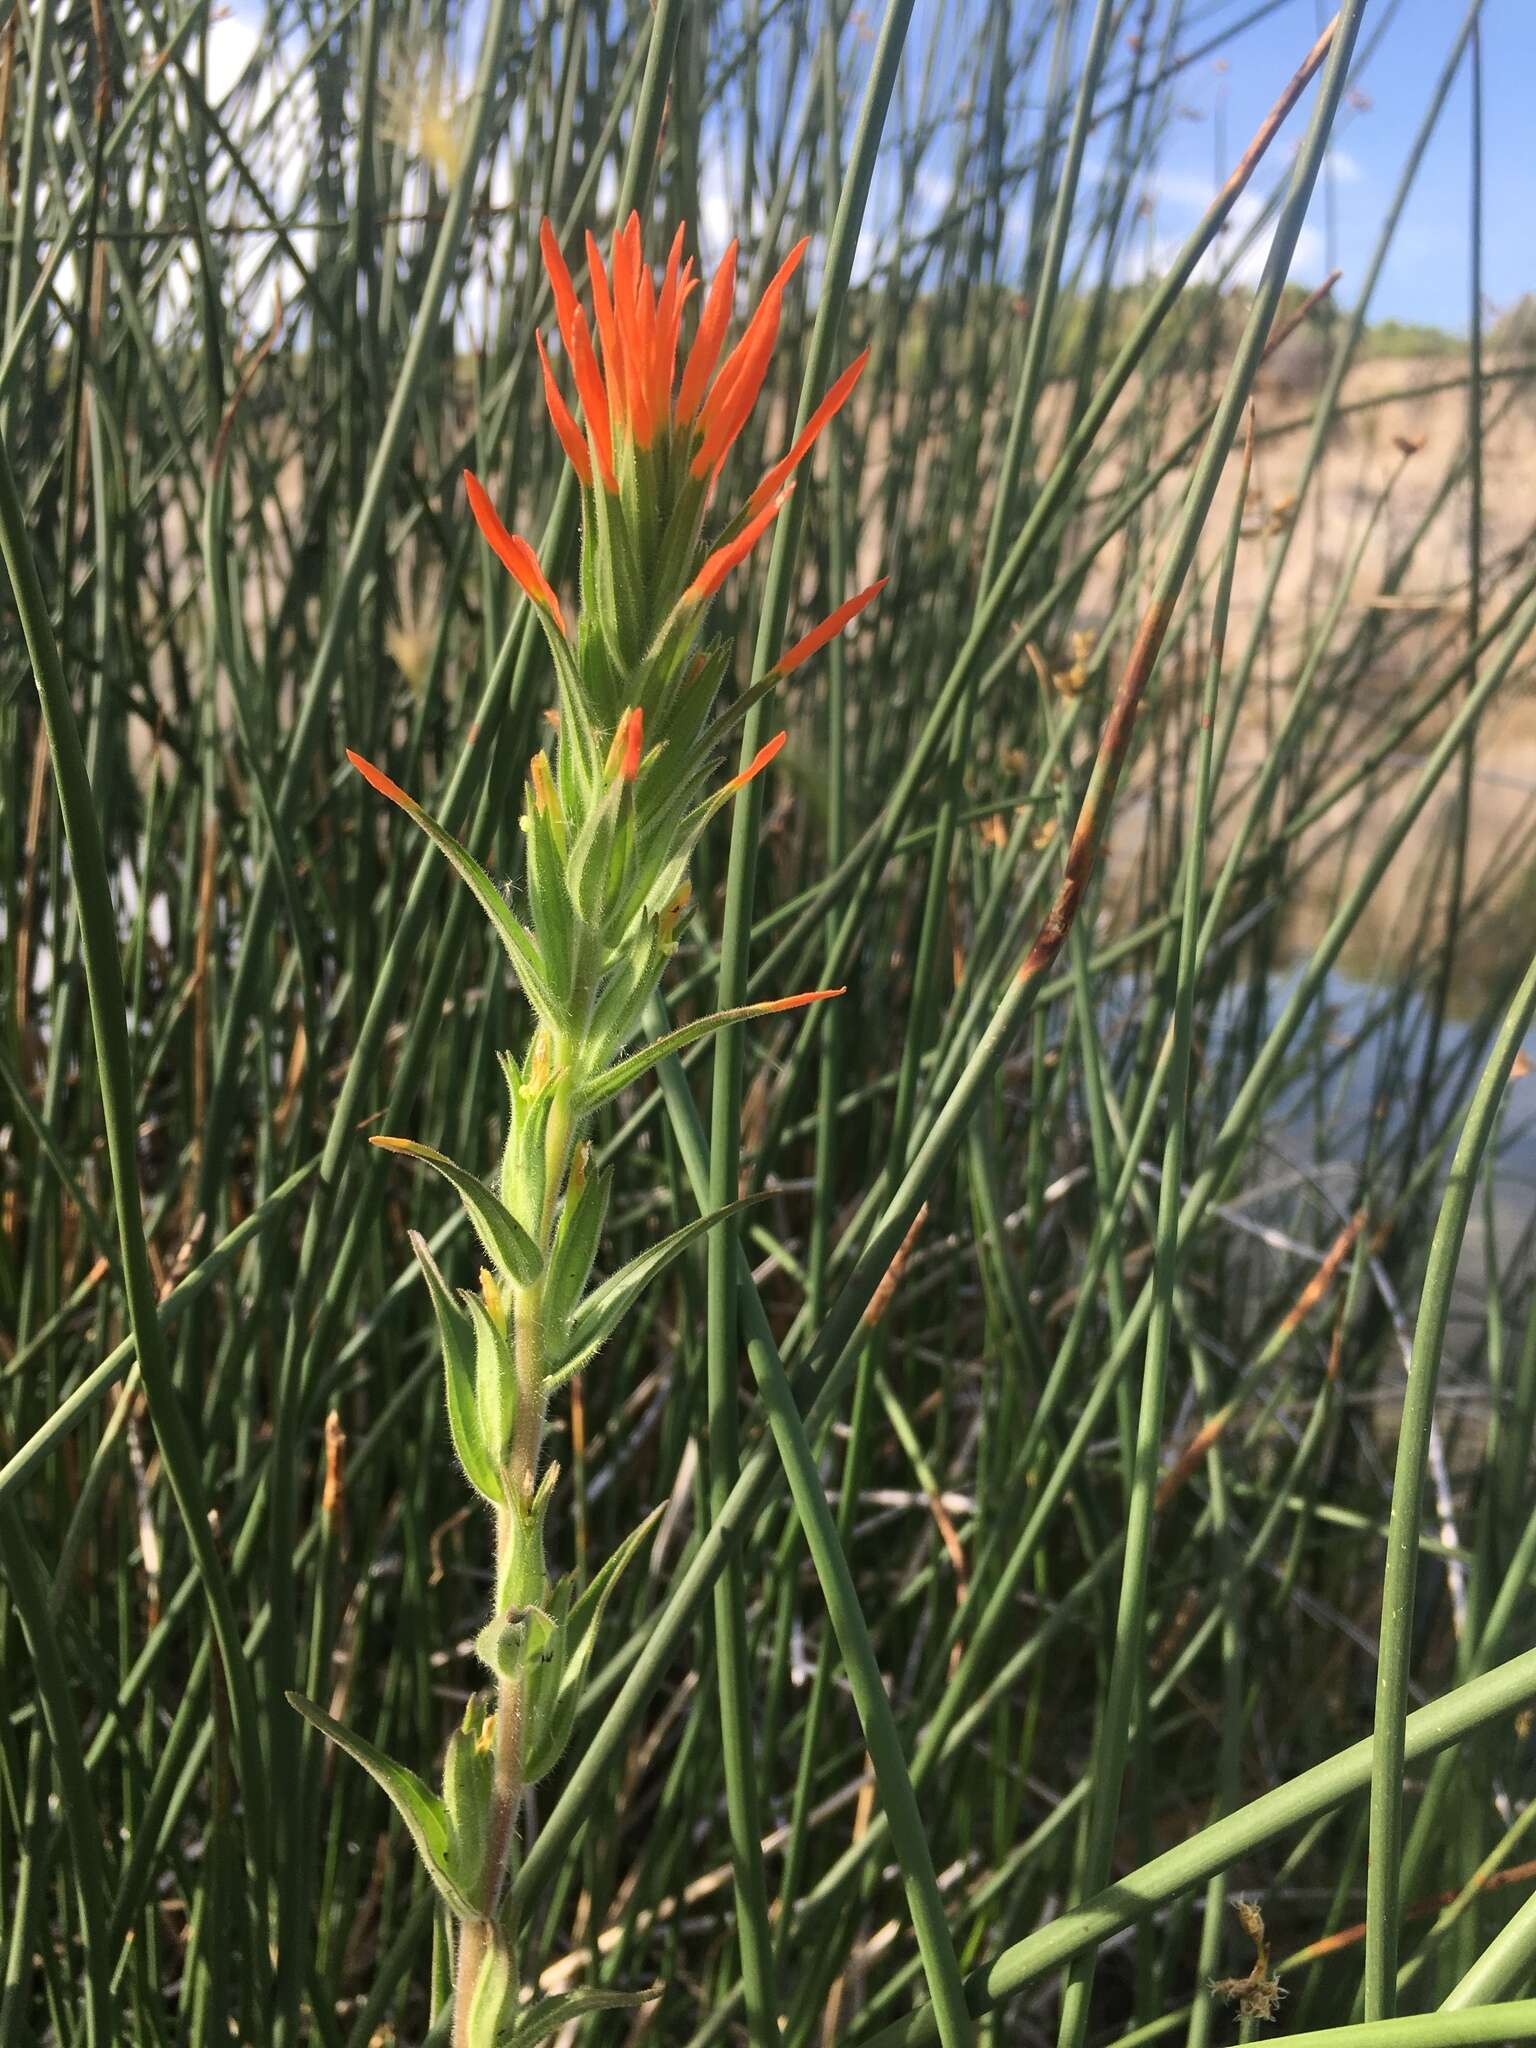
610, 820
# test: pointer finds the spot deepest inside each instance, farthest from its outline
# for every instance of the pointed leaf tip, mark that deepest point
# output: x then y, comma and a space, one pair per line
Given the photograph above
757, 764
624, 1072
800, 1002
514, 553
829, 628
499, 1230
377, 779
717, 566
424, 1814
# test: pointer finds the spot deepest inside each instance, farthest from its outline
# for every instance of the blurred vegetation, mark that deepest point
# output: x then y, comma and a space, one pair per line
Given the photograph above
1117, 1475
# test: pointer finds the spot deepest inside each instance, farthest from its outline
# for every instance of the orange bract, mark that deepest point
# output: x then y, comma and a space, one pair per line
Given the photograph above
757, 764
514, 551
833, 403
565, 427
829, 629
634, 745
811, 995
705, 353
724, 559
377, 779
566, 307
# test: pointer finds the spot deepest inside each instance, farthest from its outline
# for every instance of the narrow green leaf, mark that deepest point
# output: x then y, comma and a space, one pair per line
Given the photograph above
611, 1300
575, 1246
420, 1808
587, 868
546, 2016
608, 1084
554, 1714
494, 2004
495, 1380
500, 1232
459, 1379
520, 947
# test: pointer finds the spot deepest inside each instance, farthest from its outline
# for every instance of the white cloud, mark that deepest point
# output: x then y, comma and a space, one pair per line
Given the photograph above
232, 44
1238, 253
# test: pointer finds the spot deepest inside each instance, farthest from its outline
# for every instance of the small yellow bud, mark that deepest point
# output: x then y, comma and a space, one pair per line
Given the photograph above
490, 1294
545, 795
538, 1064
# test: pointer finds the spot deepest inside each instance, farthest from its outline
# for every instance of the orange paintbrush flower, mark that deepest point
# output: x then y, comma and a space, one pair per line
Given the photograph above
545, 796
628, 745
829, 629
719, 565
627, 390
514, 551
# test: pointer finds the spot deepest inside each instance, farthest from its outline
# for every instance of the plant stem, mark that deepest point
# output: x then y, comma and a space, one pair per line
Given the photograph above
522, 1474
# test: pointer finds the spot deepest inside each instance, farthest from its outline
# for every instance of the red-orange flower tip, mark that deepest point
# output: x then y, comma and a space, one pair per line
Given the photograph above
634, 743
628, 745
559, 280
513, 551
718, 566
570, 435
832, 404
757, 764
829, 629
705, 353
811, 995
378, 779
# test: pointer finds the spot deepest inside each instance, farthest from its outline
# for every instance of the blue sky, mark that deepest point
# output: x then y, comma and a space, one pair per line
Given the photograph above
1426, 276
1220, 100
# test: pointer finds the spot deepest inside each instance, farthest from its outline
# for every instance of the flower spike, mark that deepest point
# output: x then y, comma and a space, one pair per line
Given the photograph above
613, 807
513, 550
829, 629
